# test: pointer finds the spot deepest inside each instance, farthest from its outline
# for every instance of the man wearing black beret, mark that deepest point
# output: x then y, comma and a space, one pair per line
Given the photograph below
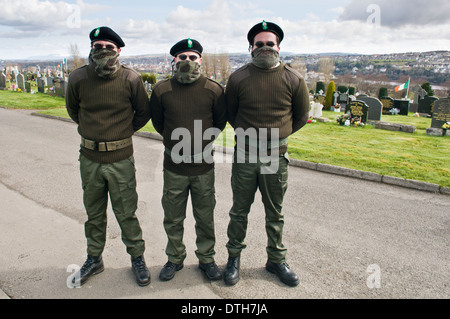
189, 112
109, 103
261, 96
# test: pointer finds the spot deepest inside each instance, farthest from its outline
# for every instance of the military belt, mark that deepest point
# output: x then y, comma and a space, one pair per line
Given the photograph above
106, 146
189, 158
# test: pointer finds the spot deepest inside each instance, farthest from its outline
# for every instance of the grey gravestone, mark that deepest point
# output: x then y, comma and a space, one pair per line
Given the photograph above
50, 81
335, 98
20, 82
343, 98
60, 86
28, 86
2, 81
388, 105
375, 107
419, 94
358, 109
41, 85
426, 104
441, 113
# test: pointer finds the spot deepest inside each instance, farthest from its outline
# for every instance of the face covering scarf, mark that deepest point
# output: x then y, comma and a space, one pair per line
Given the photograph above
105, 62
265, 57
187, 72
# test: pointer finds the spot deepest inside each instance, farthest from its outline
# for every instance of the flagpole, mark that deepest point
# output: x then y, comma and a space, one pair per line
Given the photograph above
409, 84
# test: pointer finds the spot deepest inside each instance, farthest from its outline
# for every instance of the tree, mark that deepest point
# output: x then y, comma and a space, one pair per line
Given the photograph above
149, 78
327, 67
342, 89
224, 67
75, 60
209, 65
427, 87
320, 86
329, 97
299, 64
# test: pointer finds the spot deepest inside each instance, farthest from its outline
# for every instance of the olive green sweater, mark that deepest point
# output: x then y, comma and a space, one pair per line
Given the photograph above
274, 98
178, 106
107, 110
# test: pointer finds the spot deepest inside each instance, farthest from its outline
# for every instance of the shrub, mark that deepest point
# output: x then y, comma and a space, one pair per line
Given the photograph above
329, 97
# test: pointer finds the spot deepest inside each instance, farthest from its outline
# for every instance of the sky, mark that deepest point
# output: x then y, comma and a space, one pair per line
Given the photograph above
41, 28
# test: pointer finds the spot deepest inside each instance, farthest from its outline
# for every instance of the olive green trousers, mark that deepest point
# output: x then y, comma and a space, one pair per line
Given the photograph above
176, 191
119, 180
246, 178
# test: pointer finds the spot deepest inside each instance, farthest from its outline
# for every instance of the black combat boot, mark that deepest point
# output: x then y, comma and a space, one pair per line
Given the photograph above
140, 271
168, 271
92, 266
231, 274
211, 271
286, 275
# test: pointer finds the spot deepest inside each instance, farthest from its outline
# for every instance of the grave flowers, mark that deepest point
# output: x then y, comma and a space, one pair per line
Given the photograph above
343, 118
356, 121
445, 127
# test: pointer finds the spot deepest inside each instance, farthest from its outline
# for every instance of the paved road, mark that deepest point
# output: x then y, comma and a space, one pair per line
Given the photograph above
342, 234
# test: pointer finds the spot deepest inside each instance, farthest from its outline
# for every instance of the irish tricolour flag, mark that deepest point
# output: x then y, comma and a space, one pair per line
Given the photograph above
402, 87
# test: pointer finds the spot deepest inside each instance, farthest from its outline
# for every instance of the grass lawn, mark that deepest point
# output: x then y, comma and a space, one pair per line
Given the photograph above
415, 156
36, 101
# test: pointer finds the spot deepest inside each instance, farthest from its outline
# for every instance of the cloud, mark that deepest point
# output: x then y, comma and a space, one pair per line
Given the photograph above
399, 13
26, 18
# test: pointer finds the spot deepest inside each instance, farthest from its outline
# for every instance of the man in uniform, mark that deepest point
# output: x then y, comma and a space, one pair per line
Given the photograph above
261, 96
189, 112
109, 103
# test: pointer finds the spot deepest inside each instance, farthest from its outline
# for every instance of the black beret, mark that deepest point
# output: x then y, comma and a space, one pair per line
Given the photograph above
265, 27
186, 45
106, 34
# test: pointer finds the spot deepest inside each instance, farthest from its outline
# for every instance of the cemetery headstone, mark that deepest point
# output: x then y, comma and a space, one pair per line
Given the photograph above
402, 105
321, 99
375, 108
358, 109
41, 85
441, 116
28, 86
419, 94
316, 109
60, 86
426, 105
388, 105
343, 98
441, 113
20, 82
2, 81
335, 98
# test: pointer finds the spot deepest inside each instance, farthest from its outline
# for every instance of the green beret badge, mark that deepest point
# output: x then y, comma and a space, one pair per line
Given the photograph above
264, 25
97, 32
190, 44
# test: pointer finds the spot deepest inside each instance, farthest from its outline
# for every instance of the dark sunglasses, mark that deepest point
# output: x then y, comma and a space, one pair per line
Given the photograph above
101, 46
184, 57
260, 44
